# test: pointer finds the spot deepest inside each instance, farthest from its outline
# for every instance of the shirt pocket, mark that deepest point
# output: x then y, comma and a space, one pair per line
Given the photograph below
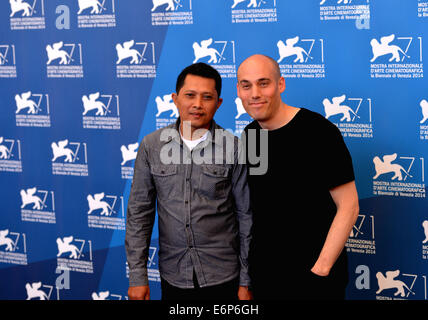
166, 180
214, 181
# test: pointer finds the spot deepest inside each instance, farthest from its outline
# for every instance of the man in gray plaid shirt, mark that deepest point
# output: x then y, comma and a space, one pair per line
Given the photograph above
191, 173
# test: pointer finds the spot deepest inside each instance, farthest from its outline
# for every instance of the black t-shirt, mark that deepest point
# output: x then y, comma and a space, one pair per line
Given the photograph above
293, 209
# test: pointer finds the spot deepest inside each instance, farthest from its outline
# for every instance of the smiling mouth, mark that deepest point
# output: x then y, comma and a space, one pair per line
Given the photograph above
257, 104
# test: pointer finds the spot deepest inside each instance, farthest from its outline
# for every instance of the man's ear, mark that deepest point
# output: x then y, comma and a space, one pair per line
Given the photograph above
174, 97
219, 102
281, 84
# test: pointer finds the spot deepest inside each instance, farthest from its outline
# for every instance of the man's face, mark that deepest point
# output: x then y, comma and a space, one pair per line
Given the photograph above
259, 88
197, 101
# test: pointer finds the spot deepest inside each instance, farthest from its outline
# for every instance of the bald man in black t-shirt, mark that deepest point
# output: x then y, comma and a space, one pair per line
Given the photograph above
305, 205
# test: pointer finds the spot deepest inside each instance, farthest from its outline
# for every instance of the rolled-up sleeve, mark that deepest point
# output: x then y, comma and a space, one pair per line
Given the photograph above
140, 218
241, 194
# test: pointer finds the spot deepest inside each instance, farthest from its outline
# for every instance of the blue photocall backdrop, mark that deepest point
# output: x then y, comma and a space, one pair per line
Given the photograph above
83, 81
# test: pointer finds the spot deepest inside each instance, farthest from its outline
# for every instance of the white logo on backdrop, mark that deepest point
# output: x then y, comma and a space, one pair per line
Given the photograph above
335, 107
23, 102
32, 16
54, 53
101, 14
386, 166
255, 11
19, 5
107, 115
101, 209
339, 10
3, 58
75, 161
240, 124
142, 63
253, 3
5, 49
33, 291
166, 104
64, 246
32, 110
5, 152
424, 106
37, 205
202, 51
357, 230
5, 241
95, 203
28, 197
288, 49
239, 108
10, 154
74, 261
362, 236
61, 63
103, 295
172, 12
59, 150
124, 51
384, 48
96, 6
361, 221
129, 152
91, 103
338, 1
389, 282
219, 53
425, 226
13, 252
170, 3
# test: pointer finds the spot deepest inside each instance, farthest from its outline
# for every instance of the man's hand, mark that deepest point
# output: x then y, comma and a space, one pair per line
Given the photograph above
319, 272
139, 293
244, 293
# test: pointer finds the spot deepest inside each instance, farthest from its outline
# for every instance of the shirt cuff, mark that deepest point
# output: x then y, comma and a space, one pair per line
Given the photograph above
244, 279
138, 277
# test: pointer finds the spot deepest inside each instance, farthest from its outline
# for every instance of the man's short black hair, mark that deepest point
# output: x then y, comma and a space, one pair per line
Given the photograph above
202, 70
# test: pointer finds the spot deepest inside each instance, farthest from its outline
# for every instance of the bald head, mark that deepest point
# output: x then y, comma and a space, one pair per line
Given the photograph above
260, 60
259, 87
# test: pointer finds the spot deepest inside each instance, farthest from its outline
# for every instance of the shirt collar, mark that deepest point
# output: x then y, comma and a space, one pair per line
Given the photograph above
210, 138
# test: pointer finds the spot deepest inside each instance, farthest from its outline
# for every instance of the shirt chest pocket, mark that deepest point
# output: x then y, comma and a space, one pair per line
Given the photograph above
166, 180
214, 182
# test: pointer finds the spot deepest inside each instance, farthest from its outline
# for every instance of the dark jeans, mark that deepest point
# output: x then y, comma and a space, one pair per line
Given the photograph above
302, 287
305, 286
224, 291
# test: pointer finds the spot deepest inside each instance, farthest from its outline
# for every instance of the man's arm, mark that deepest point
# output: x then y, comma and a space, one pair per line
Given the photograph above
241, 195
346, 199
139, 224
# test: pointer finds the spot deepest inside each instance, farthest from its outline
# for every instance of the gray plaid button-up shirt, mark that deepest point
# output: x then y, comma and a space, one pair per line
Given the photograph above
203, 206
